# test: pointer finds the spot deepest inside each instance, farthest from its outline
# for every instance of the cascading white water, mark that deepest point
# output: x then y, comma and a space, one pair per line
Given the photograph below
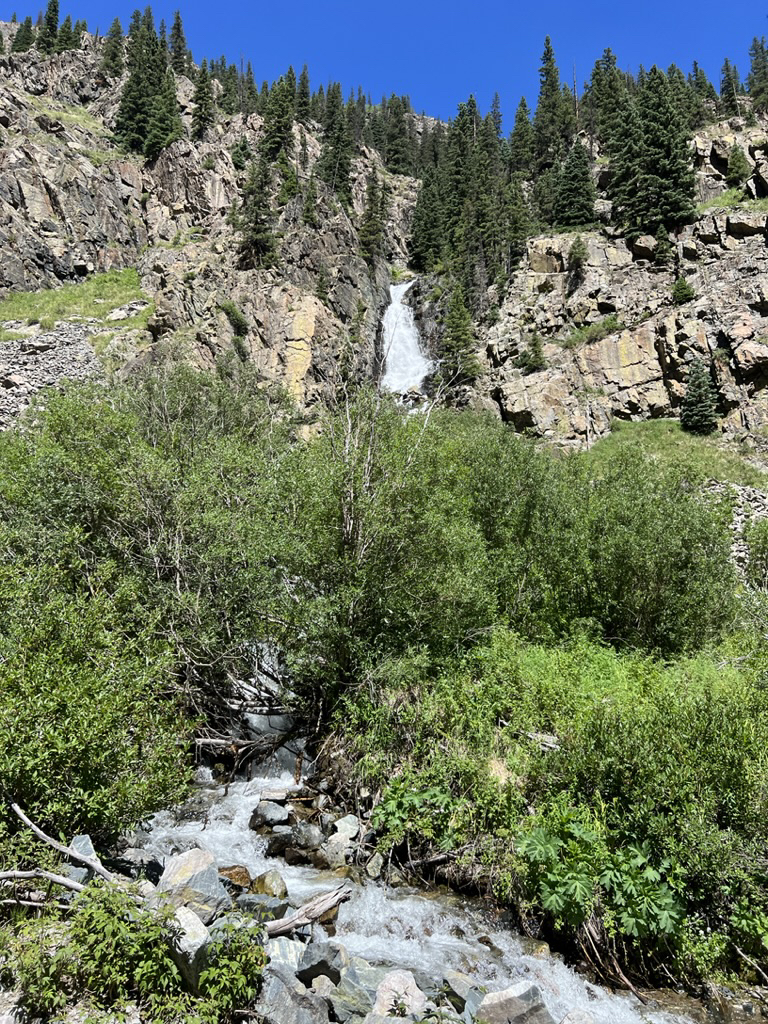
401, 928
405, 365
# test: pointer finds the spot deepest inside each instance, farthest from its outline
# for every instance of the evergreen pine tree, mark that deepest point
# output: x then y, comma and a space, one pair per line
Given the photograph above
309, 208
112, 61
698, 409
521, 141
730, 87
24, 38
575, 196
458, 363
371, 226
289, 179
335, 161
546, 120
2, 43
427, 234
178, 45
164, 125
757, 80
303, 98
66, 37
81, 27
49, 31
739, 168
203, 116
252, 218
665, 182
518, 224
278, 120
241, 153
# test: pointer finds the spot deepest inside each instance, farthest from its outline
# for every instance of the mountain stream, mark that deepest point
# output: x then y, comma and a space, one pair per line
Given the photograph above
418, 930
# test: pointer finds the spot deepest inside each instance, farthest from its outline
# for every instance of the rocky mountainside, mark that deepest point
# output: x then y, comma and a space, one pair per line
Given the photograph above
71, 204
615, 344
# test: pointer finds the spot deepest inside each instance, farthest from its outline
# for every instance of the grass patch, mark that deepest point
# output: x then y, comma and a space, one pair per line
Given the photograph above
95, 297
9, 335
734, 198
72, 117
98, 157
593, 332
702, 458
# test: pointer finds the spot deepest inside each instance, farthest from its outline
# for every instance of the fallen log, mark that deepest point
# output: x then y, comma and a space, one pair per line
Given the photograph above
66, 883
309, 912
93, 865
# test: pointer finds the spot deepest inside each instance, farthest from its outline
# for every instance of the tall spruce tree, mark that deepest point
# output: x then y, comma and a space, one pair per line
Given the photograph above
371, 224
178, 45
698, 408
253, 220
335, 161
113, 60
66, 38
739, 168
278, 119
730, 89
553, 121
575, 196
757, 79
24, 38
458, 363
203, 117
303, 98
427, 234
521, 141
164, 124
49, 31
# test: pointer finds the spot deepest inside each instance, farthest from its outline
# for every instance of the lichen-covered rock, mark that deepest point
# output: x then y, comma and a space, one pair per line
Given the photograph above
192, 880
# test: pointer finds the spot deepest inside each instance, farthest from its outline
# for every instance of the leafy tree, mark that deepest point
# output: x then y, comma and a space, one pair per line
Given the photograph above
739, 168
459, 364
24, 38
698, 409
575, 196
178, 46
252, 218
113, 61
203, 117
46, 39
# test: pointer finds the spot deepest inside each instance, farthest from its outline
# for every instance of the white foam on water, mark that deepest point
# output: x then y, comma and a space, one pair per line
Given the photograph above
399, 927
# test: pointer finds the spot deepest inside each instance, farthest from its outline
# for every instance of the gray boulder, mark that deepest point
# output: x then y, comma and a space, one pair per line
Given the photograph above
271, 883
284, 1000
189, 951
322, 959
268, 908
463, 992
285, 952
398, 995
519, 1004
192, 880
268, 814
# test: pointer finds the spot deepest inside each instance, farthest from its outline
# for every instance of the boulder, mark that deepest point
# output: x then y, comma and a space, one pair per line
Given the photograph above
285, 952
266, 813
192, 880
284, 1000
237, 875
356, 991
463, 992
268, 908
519, 1004
644, 247
322, 959
271, 883
375, 866
398, 995
189, 950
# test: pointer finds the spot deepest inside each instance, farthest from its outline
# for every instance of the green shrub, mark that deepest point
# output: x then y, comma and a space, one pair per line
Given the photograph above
593, 332
756, 535
739, 168
532, 360
682, 292
114, 952
237, 319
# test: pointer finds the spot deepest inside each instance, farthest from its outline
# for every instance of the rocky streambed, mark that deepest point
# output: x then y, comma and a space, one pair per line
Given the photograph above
267, 845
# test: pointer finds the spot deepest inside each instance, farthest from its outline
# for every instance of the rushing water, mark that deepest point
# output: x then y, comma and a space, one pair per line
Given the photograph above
399, 927
405, 365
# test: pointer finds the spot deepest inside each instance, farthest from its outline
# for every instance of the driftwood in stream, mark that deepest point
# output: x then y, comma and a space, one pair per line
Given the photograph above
309, 912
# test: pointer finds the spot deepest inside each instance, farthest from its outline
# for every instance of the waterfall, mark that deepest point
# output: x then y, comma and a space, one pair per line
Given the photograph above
405, 365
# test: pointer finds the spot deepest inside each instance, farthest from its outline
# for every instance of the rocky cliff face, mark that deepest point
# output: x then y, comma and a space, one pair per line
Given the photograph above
71, 204
638, 369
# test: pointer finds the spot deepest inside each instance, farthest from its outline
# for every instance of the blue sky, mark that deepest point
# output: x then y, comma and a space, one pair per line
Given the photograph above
439, 53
